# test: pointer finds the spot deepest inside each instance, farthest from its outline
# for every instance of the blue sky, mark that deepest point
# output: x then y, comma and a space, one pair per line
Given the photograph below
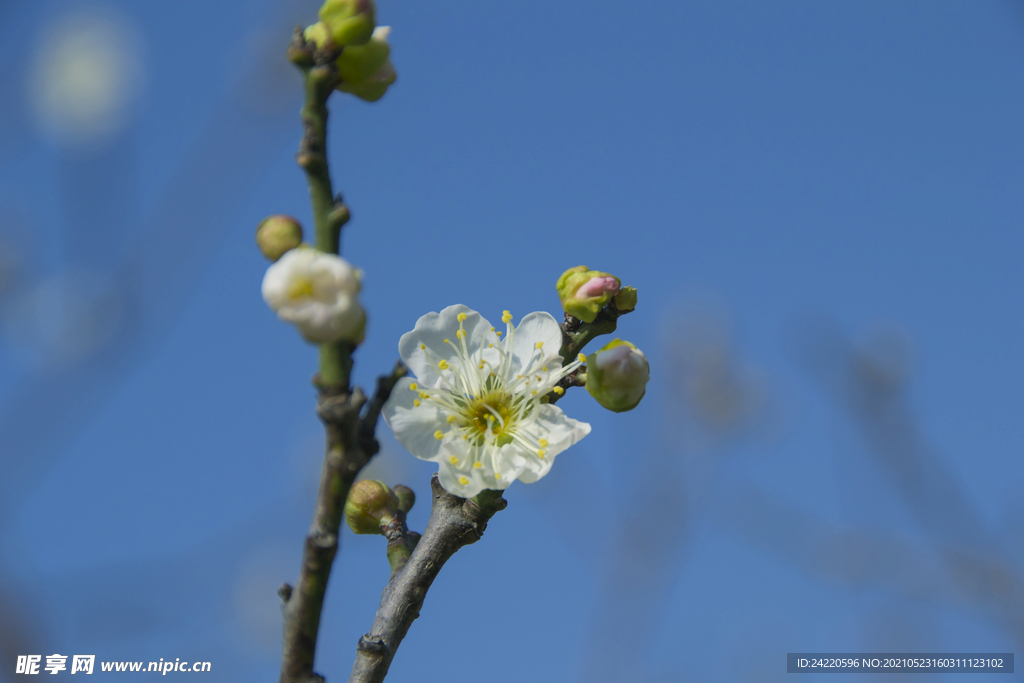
810, 198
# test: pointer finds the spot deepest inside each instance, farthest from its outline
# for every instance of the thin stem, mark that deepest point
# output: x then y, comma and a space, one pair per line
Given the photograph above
320, 75
454, 523
350, 445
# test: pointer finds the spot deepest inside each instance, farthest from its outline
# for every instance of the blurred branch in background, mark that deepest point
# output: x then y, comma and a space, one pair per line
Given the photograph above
712, 401
125, 280
957, 562
869, 382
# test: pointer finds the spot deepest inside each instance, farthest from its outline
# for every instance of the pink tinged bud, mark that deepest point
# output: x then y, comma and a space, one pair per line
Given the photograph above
597, 286
617, 375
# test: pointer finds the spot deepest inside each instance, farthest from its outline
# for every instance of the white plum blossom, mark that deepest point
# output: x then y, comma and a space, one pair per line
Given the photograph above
317, 292
475, 406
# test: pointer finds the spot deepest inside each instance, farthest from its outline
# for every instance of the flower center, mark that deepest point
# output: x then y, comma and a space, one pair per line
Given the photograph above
490, 413
300, 287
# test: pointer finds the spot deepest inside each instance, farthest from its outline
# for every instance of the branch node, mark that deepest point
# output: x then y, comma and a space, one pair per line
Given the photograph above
374, 645
285, 592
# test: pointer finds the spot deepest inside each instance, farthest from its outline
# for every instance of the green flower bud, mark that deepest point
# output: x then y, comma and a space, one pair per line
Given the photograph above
370, 506
358, 63
584, 292
406, 497
349, 22
278, 234
617, 375
318, 33
373, 88
625, 300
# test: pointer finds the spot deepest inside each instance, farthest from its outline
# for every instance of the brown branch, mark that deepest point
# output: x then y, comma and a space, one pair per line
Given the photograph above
348, 450
454, 523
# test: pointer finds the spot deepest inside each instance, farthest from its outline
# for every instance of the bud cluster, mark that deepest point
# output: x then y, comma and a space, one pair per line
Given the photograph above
364, 65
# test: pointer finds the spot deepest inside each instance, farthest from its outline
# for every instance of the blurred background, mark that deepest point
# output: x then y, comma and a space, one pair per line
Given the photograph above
820, 204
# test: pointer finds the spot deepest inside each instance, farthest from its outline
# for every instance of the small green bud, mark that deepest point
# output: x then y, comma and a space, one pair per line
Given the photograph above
370, 506
358, 63
406, 497
617, 375
349, 22
625, 300
373, 88
278, 234
584, 292
318, 33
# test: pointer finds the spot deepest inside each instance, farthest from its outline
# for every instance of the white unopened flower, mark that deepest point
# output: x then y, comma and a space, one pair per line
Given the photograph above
317, 292
617, 375
475, 406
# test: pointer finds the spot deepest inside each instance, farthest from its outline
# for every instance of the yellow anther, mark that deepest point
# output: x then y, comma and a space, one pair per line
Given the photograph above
461, 334
465, 436
581, 358
497, 476
478, 465
540, 453
413, 386
423, 347
545, 368
461, 317
453, 460
443, 364
445, 341
492, 329
506, 317
498, 333
543, 443
416, 402
451, 419
424, 394
538, 345
534, 392
490, 346
463, 481
438, 435
558, 390
481, 366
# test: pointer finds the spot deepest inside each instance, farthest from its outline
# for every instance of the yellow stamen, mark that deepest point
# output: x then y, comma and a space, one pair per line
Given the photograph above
497, 476
558, 390
581, 358
461, 334
540, 453
443, 364
413, 386
451, 419
424, 394
461, 317
477, 465
543, 443
463, 481
538, 345
302, 286
416, 402
453, 460
423, 347
506, 317
438, 435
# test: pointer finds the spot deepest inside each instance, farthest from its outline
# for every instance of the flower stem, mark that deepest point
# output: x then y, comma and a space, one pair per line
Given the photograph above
454, 522
329, 212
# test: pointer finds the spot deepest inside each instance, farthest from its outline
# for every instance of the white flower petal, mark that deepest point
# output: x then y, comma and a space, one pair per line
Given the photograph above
535, 327
414, 426
424, 347
560, 432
